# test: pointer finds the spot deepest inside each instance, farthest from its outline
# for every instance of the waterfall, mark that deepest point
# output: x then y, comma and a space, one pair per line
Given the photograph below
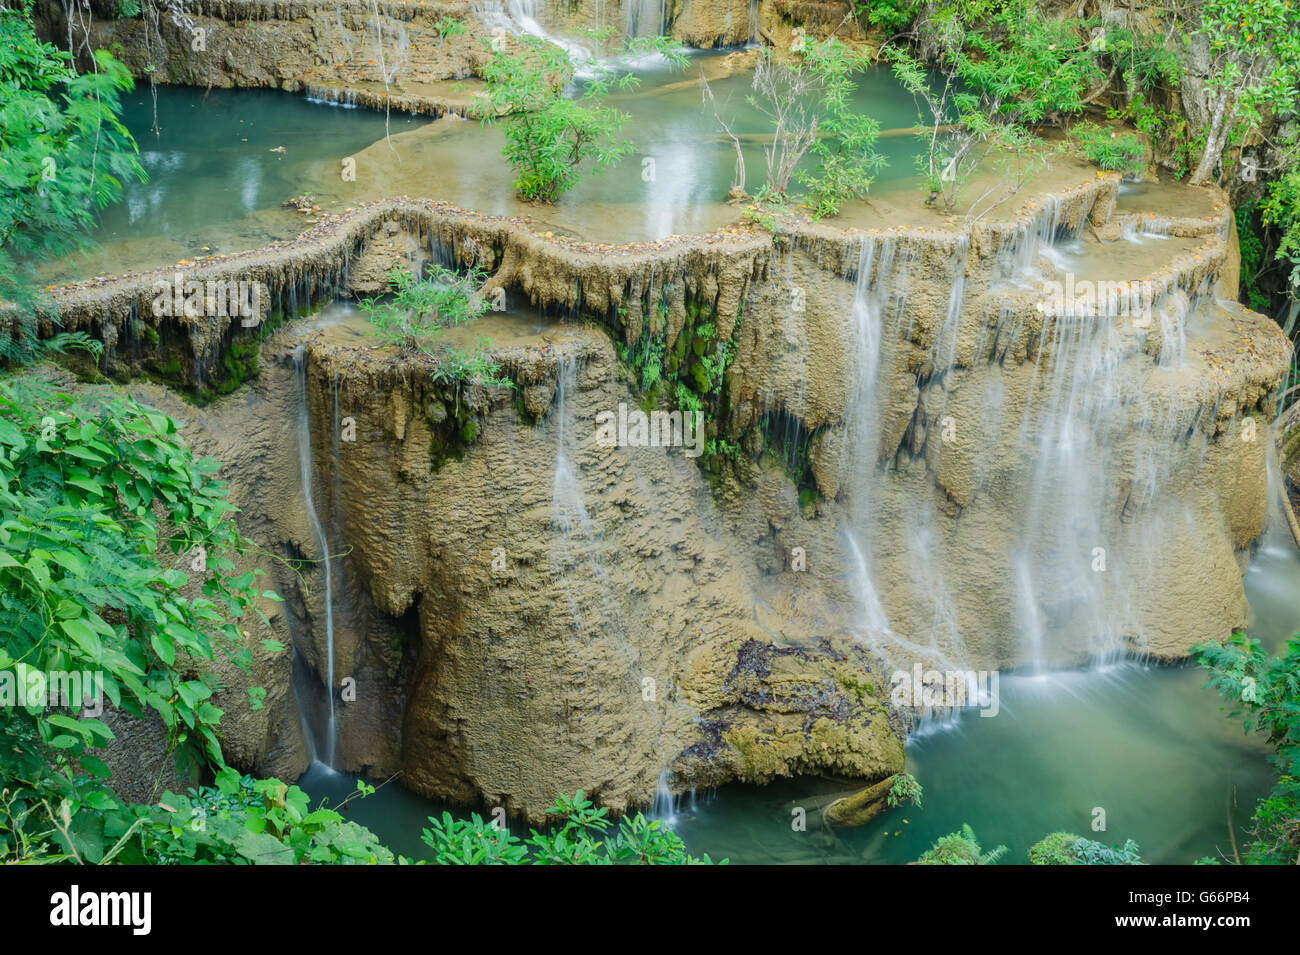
643, 17
318, 534
875, 278
664, 806
517, 17
1077, 442
567, 508
1015, 258
579, 555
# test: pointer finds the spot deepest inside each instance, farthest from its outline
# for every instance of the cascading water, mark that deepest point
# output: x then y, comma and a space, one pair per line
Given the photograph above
643, 17
1077, 439
579, 554
517, 17
318, 533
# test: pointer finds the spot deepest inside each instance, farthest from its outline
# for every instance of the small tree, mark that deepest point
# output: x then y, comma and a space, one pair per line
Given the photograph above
846, 146
808, 101
63, 152
551, 137
787, 94
1254, 48
1002, 69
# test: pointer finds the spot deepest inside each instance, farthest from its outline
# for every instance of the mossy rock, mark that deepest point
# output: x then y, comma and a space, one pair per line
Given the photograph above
701, 378
1054, 849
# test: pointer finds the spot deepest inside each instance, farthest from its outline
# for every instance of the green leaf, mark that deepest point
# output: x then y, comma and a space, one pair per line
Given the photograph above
163, 646
95, 766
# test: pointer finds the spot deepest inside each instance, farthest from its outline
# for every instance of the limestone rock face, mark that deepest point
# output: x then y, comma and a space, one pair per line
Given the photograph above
568, 607
933, 461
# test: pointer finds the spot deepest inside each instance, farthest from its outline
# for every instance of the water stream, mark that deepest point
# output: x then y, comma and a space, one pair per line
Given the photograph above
306, 472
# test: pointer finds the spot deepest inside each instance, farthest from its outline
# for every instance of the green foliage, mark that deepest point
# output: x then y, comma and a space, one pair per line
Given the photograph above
1056, 848
584, 836
94, 491
551, 138
1087, 852
246, 821
1003, 68
1254, 68
1251, 237
1280, 214
846, 144
960, 848
1120, 152
904, 788
1065, 848
419, 310
890, 15
1263, 690
63, 155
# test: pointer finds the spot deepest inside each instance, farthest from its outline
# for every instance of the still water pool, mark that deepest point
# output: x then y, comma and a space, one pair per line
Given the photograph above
1148, 745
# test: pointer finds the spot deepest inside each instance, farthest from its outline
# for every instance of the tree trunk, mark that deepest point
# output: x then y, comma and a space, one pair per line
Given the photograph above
1213, 142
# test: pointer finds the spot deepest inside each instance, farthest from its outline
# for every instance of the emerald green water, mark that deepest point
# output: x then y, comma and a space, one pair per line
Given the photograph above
215, 185
1149, 745
213, 180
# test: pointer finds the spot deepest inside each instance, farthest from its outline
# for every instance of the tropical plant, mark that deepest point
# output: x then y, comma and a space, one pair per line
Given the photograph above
63, 156
552, 139
846, 143
1280, 211
584, 836
1065, 848
1088, 852
417, 311
1263, 690
1120, 152
95, 490
960, 848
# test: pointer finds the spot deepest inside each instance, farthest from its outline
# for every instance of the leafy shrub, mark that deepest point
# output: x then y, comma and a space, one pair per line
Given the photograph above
1119, 152
94, 490
904, 788
1054, 849
550, 137
584, 837
1065, 848
1087, 852
960, 848
419, 310
1264, 691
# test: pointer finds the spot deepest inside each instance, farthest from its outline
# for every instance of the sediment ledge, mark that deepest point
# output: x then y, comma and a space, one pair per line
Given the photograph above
649, 287
405, 56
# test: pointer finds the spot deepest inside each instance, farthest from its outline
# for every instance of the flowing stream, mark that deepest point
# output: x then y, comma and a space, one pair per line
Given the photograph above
326, 754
